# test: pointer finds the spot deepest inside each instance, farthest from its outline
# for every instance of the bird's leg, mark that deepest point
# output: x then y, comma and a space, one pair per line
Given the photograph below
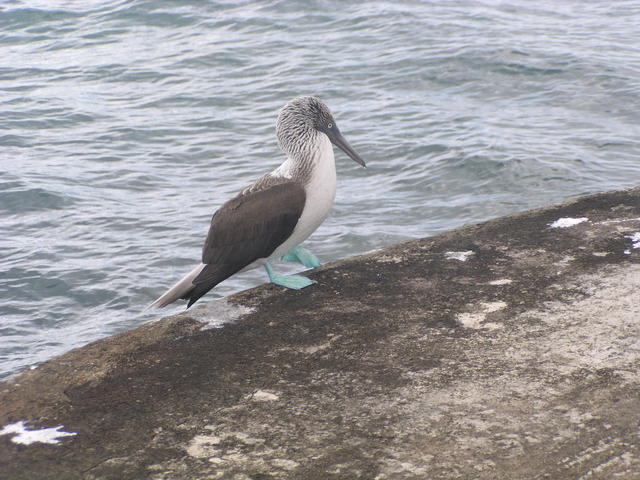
295, 282
303, 256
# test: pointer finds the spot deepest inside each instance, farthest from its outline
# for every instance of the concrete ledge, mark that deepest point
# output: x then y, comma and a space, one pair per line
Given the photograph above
505, 350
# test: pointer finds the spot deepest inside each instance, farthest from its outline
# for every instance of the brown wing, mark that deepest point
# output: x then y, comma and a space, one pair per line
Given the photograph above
254, 224
246, 228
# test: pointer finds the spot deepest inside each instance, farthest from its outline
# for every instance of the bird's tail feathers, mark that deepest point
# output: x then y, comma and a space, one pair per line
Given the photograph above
179, 290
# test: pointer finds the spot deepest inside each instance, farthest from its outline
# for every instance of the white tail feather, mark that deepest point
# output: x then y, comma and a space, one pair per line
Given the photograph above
178, 290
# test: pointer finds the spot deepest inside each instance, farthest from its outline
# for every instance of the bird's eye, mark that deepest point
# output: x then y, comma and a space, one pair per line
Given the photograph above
330, 125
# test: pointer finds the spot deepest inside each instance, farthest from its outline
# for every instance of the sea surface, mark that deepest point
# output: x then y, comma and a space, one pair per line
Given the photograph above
125, 124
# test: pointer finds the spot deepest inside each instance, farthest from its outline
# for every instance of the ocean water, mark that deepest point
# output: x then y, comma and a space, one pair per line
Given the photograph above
125, 124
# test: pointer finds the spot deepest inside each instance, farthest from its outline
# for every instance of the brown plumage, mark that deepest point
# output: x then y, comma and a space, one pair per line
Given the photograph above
240, 233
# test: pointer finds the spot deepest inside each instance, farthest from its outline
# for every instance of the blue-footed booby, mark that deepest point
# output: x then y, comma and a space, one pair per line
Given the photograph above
272, 217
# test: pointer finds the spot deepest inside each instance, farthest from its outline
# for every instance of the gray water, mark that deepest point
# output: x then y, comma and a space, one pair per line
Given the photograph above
123, 125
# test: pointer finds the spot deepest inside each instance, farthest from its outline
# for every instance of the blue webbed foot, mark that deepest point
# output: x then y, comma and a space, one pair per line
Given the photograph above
295, 282
303, 256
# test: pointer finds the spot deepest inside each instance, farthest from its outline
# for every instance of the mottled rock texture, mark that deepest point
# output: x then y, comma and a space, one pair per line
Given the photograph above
505, 350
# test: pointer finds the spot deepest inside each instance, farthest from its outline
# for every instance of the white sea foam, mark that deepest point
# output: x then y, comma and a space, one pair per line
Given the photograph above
462, 256
24, 436
635, 240
566, 222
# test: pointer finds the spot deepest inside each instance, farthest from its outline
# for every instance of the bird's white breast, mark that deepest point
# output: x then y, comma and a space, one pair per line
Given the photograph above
320, 192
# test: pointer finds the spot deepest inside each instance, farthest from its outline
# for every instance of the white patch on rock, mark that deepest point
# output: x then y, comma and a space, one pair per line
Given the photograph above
635, 240
224, 448
264, 396
489, 307
284, 463
203, 446
475, 319
27, 437
215, 314
567, 222
502, 281
390, 259
462, 256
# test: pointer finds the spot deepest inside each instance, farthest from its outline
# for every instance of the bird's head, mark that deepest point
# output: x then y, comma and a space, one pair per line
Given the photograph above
301, 119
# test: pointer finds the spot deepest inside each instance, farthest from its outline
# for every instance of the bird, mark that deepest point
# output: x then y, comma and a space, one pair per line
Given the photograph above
269, 219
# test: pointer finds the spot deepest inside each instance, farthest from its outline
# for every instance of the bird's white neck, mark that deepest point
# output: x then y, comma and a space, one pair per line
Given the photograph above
323, 167
318, 174
311, 163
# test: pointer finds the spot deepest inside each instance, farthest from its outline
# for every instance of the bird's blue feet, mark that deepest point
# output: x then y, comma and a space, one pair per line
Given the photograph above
295, 282
303, 256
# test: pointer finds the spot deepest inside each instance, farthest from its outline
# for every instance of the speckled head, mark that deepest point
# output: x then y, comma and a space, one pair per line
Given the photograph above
299, 123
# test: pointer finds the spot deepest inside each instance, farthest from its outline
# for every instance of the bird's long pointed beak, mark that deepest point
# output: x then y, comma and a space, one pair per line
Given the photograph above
339, 141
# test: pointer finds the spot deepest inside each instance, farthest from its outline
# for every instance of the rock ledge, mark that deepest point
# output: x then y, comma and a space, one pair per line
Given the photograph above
509, 349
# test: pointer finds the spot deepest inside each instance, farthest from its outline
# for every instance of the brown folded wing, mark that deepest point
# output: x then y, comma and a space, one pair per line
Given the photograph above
248, 227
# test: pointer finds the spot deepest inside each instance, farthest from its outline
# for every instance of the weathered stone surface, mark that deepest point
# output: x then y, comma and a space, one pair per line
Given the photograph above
505, 350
